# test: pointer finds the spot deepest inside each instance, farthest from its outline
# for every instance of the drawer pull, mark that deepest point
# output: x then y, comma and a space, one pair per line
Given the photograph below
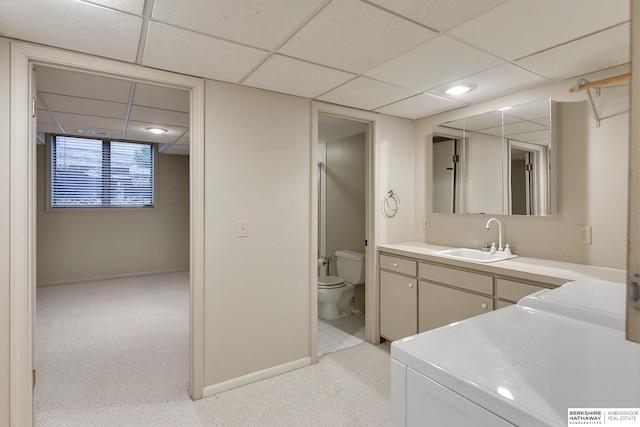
484, 305
411, 285
395, 264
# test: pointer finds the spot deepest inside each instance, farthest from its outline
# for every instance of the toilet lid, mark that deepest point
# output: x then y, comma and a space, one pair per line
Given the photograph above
330, 282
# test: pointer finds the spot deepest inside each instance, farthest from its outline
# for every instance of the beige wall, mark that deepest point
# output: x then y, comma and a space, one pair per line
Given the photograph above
257, 288
4, 232
79, 246
345, 196
592, 182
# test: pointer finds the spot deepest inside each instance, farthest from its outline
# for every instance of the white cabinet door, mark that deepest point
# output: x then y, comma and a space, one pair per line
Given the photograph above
439, 305
398, 306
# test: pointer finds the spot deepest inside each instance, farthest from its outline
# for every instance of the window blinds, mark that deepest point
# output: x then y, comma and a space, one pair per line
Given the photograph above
96, 173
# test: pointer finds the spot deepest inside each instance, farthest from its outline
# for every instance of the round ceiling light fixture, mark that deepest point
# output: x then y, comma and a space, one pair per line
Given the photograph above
157, 131
458, 90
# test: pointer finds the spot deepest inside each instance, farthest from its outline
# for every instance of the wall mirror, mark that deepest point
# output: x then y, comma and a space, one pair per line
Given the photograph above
502, 162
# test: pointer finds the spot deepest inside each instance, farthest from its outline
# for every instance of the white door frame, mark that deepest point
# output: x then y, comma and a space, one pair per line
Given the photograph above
372, 327
22, 240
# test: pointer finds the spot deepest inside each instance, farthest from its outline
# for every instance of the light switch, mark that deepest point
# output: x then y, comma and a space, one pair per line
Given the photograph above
243, 228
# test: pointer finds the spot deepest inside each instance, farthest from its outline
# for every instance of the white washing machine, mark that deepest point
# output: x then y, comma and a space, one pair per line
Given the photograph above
524, 365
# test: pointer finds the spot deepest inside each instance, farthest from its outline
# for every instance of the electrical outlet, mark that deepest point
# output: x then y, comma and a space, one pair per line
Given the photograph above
427, 224
243, 228
584, 235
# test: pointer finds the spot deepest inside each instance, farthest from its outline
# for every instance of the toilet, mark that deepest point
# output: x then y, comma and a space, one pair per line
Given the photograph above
335, 293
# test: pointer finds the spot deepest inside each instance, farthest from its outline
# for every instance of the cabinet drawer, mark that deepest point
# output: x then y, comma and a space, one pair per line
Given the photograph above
462, 279
514, 291
439, 305
399, 265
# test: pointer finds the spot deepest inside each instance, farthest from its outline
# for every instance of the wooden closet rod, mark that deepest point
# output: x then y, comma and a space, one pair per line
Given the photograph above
603, 82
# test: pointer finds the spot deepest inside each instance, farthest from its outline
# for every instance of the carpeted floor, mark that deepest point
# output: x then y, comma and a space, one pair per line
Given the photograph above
115, 353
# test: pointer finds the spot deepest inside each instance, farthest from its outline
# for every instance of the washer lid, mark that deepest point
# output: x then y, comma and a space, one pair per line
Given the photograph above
329, 281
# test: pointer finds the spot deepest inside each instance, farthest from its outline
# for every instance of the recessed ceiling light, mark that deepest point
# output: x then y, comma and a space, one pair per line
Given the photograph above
504, 108
91, 132
157, 131
457, 90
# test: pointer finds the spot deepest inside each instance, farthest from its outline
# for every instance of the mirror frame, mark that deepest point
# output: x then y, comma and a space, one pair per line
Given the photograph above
545, 169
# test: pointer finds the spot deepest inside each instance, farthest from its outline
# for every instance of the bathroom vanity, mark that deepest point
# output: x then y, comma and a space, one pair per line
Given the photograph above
420, 291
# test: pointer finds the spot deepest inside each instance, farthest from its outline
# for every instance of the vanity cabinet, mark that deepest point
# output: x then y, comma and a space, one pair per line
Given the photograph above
398, 297
417, 295
440, 305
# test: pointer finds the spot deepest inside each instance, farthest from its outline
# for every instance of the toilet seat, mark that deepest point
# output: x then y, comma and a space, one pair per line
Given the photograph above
330, 282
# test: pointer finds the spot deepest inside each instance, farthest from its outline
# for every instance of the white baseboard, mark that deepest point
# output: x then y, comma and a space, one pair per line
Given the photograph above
111, 277
256, 376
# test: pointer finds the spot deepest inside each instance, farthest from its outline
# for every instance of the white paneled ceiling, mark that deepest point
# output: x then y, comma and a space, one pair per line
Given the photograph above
391, 56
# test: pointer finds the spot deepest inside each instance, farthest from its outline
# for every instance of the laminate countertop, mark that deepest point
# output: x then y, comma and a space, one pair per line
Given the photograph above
534, 269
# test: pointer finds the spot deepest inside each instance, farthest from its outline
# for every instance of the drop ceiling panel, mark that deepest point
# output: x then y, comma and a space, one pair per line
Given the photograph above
519, 27
497, 81
366, 94
196, 54
264, 24
354, 36
74, 122
421, 105
75, 25
48, 127
522, 127
82, 85
161, 97
286, 75
183, 141
602, 50
539, 137
43, 116
437, 14
131, 6
84, 106
159, 117
180, 150
434, 63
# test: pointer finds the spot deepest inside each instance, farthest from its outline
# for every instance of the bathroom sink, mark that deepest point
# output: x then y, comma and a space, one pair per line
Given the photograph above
473, 255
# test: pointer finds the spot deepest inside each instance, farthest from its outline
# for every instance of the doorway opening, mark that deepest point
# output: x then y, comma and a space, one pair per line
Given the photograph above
23, 208
342, 154
112, 234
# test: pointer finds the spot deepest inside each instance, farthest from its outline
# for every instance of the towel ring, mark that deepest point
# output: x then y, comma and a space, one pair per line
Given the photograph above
390, 204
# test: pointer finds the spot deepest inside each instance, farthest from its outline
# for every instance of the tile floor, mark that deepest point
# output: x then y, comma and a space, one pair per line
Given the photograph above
341, 333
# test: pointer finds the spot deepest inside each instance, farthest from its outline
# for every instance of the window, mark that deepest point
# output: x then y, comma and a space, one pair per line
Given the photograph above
87, 173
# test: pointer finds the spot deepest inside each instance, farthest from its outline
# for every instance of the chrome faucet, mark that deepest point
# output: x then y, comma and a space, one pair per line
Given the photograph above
500, 248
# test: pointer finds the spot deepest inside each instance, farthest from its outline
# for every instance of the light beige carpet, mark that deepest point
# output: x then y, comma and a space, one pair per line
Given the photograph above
115, 353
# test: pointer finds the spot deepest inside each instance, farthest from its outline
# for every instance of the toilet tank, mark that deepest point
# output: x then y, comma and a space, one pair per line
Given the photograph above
350, 266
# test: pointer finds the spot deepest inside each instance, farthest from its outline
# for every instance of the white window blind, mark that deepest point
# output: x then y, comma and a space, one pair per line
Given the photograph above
96, 173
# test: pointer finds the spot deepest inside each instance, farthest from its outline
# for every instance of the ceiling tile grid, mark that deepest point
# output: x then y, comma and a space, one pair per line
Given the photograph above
421, 105
605, 49
366, 94
522, 27
353, 36
258, 23
73, 25
391, 56
434, 63
295, 77
196, 54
